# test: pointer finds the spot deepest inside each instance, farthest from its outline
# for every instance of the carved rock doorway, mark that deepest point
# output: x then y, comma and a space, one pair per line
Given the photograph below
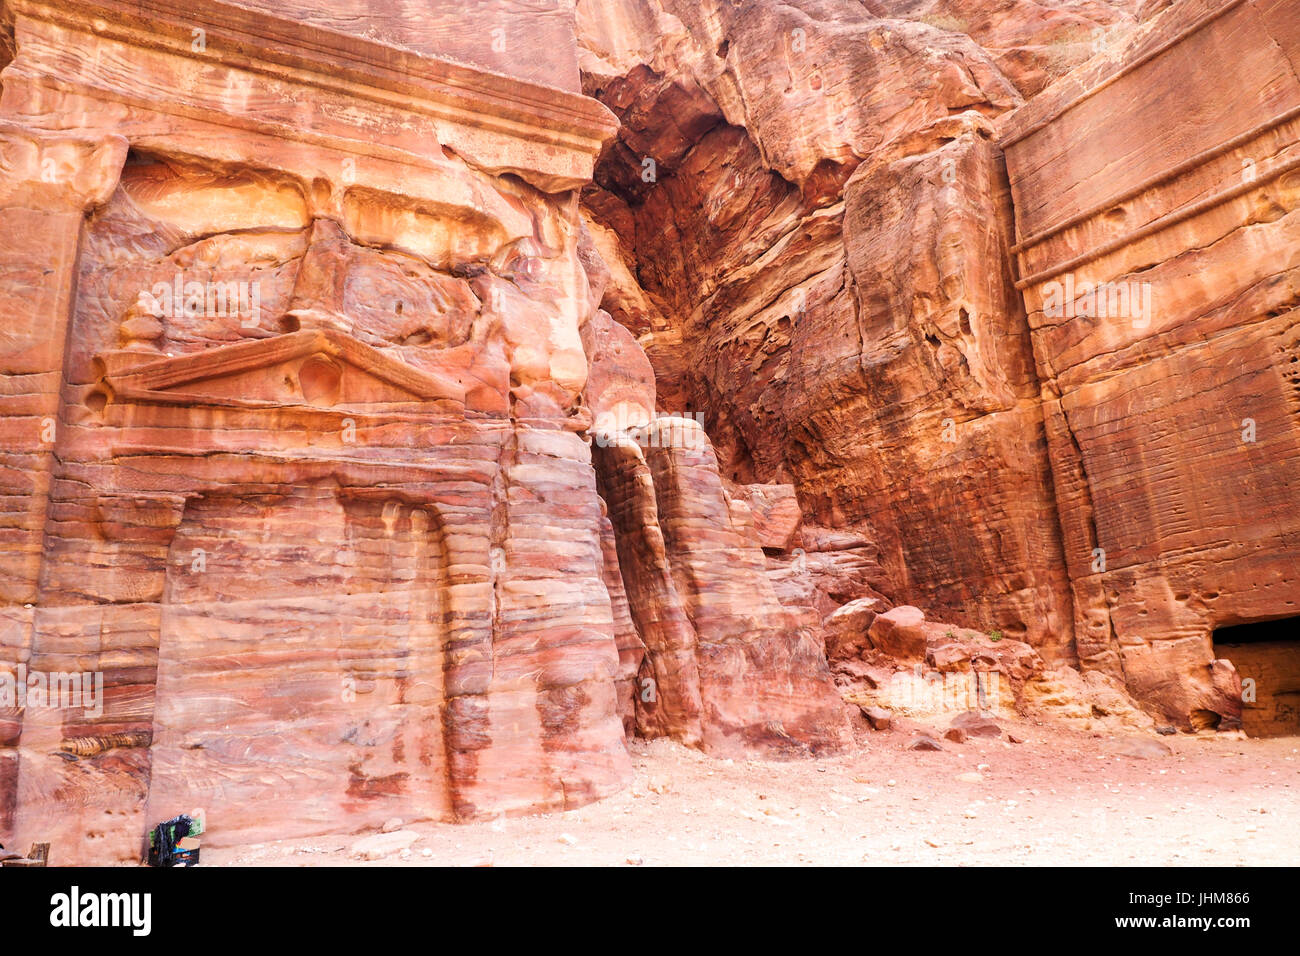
300, 668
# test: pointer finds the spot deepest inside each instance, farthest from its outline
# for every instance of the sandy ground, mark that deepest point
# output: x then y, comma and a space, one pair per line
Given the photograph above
1061, 797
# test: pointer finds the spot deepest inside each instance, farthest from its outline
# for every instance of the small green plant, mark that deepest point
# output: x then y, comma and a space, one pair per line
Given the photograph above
995, 636
948, 634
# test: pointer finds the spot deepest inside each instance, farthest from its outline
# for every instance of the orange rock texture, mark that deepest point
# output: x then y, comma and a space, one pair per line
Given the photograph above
1159, 255
404, 404
865, 240
807, 222
301, 366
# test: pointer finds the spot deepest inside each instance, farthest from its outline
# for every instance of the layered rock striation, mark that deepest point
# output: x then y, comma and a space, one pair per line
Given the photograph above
1158, 251
861, 241
391, 430
299, 364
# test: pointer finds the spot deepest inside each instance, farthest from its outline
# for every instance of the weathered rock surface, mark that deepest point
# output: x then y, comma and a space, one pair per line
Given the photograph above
620, 388
533, 41
1145, 748
809, 227
846, 630
1265, 677
827, 570
878, 717
276, 463
972, 679
1092, 700
841, 278
726, 663
1160, 263
774, 512
1031, 43
377, 846
974, 724
364, 459
298, 399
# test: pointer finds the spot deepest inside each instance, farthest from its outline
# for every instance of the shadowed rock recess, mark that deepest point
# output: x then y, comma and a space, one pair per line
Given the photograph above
404, 406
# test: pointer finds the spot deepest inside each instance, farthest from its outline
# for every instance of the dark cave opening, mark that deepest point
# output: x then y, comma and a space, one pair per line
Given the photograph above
1278, 629
1267, 656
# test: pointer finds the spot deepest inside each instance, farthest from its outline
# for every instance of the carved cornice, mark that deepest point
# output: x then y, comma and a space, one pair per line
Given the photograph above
180, 377
561, 132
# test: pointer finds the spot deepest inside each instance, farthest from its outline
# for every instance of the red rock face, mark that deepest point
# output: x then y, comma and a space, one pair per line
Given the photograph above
388, 431
297, 405
1031, 43
1162, 293
820, 263
530, 40
726, 665
821, 271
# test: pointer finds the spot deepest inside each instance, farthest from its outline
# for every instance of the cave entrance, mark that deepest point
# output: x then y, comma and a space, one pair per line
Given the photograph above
1267, 656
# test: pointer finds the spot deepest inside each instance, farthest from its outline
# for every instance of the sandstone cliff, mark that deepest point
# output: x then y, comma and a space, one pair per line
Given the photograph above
807, 220
810, 226
394, 429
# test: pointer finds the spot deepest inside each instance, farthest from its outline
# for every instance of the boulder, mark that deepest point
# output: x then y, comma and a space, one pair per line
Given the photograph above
774, 511
1144, 748
847, 627
975, 724
878, 717
900, 633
